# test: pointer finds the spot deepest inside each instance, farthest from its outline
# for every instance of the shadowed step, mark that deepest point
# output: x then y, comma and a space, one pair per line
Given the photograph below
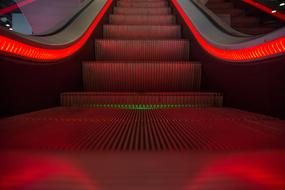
142, 19
141, 32
142, 100
141, 76
142, 11
158, 4
139, 50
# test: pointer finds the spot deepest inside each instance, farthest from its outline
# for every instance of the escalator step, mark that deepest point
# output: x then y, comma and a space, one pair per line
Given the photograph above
139, 50
142, 19
142, 100
142, 4
141, 32
141, 1
141, 76
141, 11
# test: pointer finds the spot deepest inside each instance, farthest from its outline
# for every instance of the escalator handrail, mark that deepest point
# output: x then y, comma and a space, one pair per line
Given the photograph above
217, 21
225, 46
57, 46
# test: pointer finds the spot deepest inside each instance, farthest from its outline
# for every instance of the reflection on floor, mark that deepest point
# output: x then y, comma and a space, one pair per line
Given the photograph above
262, 170
173, 148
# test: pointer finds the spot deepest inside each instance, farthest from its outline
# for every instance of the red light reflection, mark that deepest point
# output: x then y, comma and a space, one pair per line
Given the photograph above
253, 171
44, 171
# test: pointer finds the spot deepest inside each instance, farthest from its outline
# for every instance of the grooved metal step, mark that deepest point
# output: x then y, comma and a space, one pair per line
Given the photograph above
141, 76
142, 1
142, 4
142, 100
142, 11
187, 129
142, 50
142, 19
141, 32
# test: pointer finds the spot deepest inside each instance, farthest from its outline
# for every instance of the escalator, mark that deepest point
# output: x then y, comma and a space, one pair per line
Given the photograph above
143, 119
245, 20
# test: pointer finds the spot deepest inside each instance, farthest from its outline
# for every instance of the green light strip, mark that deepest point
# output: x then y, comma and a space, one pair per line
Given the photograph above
143, 106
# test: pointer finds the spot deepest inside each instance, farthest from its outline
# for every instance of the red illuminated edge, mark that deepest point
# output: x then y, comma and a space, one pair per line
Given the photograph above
265, 9
19, 49
23, 50
262, 51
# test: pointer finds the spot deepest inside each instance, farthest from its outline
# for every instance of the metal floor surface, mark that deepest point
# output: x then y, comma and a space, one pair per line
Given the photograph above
176, 148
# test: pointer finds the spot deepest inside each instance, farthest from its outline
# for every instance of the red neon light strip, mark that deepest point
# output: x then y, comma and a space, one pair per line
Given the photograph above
265, 9
246, 54
15, 6
20, 49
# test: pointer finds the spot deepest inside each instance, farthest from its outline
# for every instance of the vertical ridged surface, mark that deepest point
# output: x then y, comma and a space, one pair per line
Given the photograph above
142, 76
138, 50
141, 32
142, 130
141, 100
142, 19
141, 11
158, 4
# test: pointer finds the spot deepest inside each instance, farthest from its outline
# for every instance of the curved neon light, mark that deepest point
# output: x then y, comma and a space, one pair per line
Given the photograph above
265, 9
264, 50
16, 48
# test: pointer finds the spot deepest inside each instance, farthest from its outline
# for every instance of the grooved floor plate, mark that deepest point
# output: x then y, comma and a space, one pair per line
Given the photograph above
142, 100
141, 32
142, 19
79, 129
141, 76
142, 50
142, 4
142, 11
141, 1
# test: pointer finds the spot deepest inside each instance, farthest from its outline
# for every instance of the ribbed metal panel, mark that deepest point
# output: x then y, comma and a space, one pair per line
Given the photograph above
141, 100
142, 4
142, 19
139, 50
142, 76
141, 1
142, 11
141, 32
142, 130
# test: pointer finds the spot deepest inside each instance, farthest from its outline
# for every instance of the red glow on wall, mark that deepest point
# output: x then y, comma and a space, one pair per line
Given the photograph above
16, 48
265, 9
15, 6
264, 50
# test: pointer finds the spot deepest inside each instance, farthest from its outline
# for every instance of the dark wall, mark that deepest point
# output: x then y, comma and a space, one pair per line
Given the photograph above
27, 86
257, 87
